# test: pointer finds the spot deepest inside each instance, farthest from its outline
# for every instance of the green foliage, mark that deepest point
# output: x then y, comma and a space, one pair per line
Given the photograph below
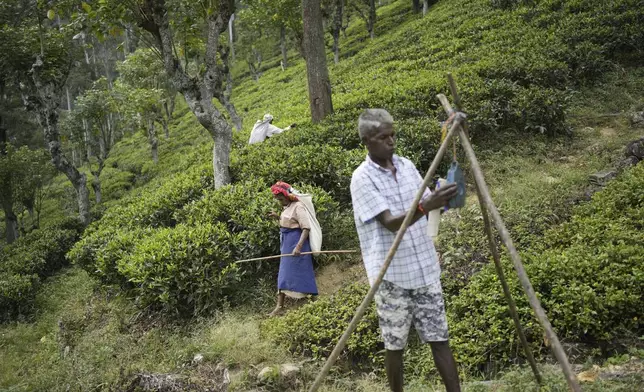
586, 272
150, 208
116, 183
173, 246
183, 270
30, 259
327, 167
244, 207
24, 175
315, 328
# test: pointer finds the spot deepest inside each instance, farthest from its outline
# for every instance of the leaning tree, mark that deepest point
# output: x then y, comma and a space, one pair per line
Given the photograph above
190, 39
36, 54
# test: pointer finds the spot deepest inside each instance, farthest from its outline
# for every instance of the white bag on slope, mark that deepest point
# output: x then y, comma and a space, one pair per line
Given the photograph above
315, 235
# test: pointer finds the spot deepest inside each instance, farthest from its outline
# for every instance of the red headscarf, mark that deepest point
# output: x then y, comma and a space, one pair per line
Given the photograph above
284, 189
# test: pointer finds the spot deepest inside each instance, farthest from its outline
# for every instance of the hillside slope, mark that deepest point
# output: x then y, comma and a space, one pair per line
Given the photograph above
154, 282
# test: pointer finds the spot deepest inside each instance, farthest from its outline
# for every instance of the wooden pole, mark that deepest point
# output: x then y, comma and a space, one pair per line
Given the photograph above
392, 251
301, 254
555, 345
495, 250
486, 200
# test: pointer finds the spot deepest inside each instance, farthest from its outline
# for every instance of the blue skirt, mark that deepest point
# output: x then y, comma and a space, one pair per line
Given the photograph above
296, 273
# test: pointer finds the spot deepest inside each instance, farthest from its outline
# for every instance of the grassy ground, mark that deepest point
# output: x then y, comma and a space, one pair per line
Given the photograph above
109, 339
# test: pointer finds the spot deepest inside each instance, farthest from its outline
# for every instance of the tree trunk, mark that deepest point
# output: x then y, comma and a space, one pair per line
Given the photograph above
230, 108
231, 36
224, 99
73, 146
166, 128
88, 140
30, 211
425, 7
258, 58
316, 69
253, 72
221, 158
337, 27
283, 46
168, 107
10, 220
198, 92
372, 19
45, 104
96, 185
416, 6
154, 141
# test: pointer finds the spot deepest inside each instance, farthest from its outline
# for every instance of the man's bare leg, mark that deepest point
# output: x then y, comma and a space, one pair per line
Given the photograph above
394, 368
446, 365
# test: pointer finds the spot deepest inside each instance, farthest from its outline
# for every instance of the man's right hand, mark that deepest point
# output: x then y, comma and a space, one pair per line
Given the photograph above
440, 197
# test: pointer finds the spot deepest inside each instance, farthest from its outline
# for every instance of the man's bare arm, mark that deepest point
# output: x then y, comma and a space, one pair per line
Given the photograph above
436, 200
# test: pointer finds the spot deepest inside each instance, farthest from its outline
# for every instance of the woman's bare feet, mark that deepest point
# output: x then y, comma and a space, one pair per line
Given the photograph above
276, 312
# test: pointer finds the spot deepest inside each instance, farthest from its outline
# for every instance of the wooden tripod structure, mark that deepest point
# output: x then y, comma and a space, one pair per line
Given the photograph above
459, 127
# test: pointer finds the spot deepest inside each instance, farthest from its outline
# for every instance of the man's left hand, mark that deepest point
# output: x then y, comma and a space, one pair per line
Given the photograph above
297, 251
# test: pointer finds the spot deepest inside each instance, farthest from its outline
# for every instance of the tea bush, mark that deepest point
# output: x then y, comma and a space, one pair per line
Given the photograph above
183, 270
30, 259
149, 207
116, 183
243, 207
515, 67
327, 167
586, 273
315, 328
148, 247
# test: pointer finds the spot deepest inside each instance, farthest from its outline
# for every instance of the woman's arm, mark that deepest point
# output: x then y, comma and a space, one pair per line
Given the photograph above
300, 243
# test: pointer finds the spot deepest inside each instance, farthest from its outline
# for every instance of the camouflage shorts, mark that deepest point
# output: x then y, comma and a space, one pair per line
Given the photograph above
397, 308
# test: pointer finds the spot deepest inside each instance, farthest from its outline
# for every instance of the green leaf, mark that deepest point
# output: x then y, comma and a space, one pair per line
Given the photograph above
86, 7
51, 14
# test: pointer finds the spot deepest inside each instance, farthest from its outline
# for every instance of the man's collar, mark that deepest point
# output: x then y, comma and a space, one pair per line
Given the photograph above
395, 159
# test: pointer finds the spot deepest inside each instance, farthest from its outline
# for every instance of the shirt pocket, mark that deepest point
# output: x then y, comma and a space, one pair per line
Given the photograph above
392, 193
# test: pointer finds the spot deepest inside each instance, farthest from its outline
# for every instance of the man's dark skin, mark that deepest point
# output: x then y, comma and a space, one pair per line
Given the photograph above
381, 145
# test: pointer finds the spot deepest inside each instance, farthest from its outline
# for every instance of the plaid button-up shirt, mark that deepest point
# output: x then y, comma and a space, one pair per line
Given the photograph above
375, 189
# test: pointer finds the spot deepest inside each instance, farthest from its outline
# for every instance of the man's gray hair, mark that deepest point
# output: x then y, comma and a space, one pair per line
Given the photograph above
371, 120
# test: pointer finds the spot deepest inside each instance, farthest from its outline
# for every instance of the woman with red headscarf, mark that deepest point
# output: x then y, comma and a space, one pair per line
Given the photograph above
296, 277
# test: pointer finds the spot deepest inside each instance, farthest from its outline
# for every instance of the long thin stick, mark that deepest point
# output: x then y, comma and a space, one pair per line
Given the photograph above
292, 254
518, 266
486, 198
494, 249
392, 251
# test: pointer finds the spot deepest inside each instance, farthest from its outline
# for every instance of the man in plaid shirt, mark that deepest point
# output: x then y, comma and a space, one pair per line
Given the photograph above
382, 189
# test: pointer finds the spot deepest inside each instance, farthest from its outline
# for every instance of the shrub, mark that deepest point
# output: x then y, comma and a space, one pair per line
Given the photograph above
587, 272
30, 259
315, 328
327, 167
183, 270
116, 183
148, 208
153, 249
244, 207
